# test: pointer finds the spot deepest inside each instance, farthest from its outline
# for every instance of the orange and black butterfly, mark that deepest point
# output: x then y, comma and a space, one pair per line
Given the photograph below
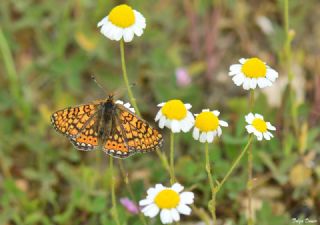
109, 125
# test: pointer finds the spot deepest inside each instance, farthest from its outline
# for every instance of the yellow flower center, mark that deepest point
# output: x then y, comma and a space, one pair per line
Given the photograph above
122, 16
260, 125
167, 199
254, 68
174, 110
207, 121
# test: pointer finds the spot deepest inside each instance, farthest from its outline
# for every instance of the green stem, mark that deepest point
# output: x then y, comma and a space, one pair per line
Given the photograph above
249, 184
287, 56
162, 157
129, 189
172, 174
234, 165
212, 203
125, 78
114, 211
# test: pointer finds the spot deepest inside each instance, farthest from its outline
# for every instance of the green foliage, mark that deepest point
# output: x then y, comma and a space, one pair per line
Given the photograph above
53, 47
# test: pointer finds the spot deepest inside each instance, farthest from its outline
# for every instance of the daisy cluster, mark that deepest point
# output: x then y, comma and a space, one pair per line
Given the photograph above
123, 23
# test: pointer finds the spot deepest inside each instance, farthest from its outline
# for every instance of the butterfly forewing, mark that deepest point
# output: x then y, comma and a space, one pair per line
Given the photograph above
70, 121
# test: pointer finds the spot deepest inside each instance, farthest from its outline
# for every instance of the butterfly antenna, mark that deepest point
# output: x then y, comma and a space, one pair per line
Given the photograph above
97, 83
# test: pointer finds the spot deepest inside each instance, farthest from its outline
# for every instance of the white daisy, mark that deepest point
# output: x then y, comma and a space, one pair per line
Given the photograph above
127, 105
175, 115
169, 201
251, 73
207, 126
258, 126
122, 22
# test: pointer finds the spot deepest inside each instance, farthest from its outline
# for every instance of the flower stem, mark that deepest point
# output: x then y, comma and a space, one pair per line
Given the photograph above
212, 203
172, 175
287, 61
162, 157
129, 189
125, 78
234, 165
250, 166
114, 212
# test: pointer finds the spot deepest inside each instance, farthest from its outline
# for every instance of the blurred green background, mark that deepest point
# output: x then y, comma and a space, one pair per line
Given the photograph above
49, 49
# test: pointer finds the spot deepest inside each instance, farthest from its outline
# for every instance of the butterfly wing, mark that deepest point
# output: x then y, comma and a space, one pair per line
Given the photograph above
115, 143
138, 135
80, 124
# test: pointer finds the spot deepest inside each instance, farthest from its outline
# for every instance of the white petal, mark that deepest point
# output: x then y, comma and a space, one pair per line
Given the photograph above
127, 105
259, 116
234, 69
144, 202
161, 104
246, 83
128, 35
177, 187
184, 209
270, 134
186, 197
270, 127
158, 116
175, 215
151, 210
216, 112
242, 60
249, 118
210, 137
223, 123
203, 137
258, 135
188, 106
205, 110
196, 133
266, 136
159, 187
239, 79
272, 75
175, 126
219, 131
119, 102
190, 117
186, 125
250, 129
165, 216
103, 21
253, 83
162, 122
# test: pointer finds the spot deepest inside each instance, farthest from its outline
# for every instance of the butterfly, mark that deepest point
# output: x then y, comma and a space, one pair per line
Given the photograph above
107, 124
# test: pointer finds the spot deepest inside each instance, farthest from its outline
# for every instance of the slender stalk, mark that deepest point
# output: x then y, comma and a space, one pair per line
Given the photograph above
172, 173
234, 165
212, 203
164, 160
287, 57
125, 78
129, 189
250, 167
114, 211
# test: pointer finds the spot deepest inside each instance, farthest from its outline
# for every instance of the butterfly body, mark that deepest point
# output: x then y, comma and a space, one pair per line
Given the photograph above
109, 125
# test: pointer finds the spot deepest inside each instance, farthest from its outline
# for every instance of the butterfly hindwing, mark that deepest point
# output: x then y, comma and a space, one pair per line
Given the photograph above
88, 138
115, 144
139, 135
